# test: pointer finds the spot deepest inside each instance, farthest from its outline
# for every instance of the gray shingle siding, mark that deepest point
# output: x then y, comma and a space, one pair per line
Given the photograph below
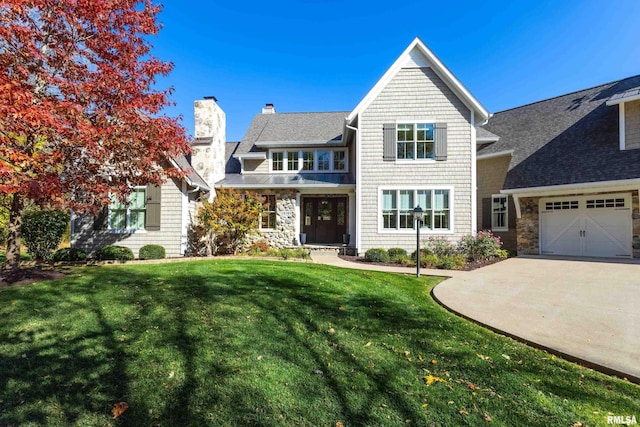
414, 94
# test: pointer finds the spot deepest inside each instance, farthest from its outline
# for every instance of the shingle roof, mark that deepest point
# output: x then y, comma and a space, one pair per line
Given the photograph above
193, 178
620, 97
233, 164
483, 134
569, 139
305, 128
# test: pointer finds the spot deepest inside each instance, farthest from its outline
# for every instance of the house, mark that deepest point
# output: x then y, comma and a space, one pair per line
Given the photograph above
354, 177
556, 177
561, 176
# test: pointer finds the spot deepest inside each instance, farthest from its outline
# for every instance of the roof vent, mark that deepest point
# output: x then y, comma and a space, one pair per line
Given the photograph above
269, 109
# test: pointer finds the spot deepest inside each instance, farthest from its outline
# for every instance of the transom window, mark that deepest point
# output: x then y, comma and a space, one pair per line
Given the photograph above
415, 141
130, 215
309, 161
268, 216
499, 213
397, 209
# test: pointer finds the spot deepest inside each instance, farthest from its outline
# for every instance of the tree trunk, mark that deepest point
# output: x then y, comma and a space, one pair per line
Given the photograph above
13, 238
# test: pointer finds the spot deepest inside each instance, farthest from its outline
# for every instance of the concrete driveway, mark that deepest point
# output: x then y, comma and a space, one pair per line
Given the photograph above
588, 310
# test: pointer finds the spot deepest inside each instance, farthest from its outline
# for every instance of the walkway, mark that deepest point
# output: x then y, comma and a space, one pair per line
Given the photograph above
586, 310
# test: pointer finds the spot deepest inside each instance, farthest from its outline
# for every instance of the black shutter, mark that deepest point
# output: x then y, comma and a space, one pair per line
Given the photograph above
153, 207
511, 212
100, 220
486, 213
389, 141
441, 141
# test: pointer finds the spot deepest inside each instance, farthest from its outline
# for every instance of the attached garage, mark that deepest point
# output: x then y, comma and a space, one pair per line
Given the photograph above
593, 226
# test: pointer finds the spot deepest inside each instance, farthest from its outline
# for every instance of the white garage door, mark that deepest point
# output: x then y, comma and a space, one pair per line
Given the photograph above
598, 226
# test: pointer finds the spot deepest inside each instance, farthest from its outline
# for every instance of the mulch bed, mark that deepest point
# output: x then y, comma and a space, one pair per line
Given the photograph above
468, 267
26, 276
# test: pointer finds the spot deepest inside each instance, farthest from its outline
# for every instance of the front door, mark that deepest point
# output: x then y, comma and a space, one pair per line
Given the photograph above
324, 219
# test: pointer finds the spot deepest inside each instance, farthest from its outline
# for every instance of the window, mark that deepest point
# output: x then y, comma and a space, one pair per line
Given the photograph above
307, 161
292, 160
339, 160
130, 215
324, 160
268, 216
335, 160
399, 215
415, 141
499, 213
278, 160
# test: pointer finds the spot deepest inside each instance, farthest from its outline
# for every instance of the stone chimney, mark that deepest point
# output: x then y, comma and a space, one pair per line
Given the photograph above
269, 109
208, 152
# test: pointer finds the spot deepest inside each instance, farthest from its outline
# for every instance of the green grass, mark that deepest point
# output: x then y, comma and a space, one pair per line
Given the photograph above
236, 342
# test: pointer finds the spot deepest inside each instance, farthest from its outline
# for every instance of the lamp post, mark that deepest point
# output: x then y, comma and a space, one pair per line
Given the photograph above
418, 215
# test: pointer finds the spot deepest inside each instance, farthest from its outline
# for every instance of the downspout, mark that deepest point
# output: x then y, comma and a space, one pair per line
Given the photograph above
358, 180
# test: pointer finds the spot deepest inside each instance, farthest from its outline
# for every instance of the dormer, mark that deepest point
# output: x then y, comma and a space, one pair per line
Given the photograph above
629, 112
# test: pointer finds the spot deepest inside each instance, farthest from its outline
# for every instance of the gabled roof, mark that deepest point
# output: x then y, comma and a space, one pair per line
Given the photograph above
192, 177
417, 52
287, 129
632, 94
569, 139
483, 135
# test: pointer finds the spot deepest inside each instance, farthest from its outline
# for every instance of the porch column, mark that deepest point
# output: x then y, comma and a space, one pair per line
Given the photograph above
352, 217
297, 217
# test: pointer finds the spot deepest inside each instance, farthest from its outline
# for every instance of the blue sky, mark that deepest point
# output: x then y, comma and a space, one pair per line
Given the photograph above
325, 55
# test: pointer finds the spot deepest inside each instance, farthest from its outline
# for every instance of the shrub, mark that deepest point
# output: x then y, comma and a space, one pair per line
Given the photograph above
69, 254
298, 253
440, 246
396, 253
259, 247
424, 252
152, 252
114, 252
401, 259
42, 231
452, 262
376, 255
484, 245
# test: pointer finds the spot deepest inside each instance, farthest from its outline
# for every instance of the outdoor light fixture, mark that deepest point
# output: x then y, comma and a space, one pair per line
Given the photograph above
418, 215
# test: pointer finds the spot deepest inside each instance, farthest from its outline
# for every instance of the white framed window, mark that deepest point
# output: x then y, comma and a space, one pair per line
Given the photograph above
268, 215
308, 161
397, 204
415, 141
499, 212
129, 216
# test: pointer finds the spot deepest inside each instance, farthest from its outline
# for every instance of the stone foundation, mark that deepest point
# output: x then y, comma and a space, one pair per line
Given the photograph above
284, 235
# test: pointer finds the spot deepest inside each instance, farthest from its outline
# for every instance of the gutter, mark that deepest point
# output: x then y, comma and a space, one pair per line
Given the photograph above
358, 181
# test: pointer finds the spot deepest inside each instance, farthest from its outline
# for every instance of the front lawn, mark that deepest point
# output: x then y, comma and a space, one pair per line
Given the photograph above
244, 342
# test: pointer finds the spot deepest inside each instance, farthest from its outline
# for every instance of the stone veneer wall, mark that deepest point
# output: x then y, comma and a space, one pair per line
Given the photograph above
284, 234
529, 225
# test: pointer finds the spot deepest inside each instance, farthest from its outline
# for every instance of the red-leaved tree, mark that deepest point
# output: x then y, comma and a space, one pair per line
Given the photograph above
79, 115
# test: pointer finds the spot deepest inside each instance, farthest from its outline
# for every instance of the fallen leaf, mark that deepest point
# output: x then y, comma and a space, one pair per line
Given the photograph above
487, 417
434, 361
119, 408
407, 353
368, 344
472, 386
430, 379
483, 357
339, 424
463, 412
342, 308
506, 356
331, 331
171, 374
424, 405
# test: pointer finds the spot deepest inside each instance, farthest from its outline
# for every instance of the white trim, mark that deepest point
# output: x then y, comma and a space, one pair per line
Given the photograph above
487, 139
415, 159
474, 175
299, 187
311, 144
297, 218
516, 202
128, 216
412, 230
624, 99
494, 155
621, 185
299, 170
259, 155
436, 65
358, 222
185, 218
275, 211
622, 127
